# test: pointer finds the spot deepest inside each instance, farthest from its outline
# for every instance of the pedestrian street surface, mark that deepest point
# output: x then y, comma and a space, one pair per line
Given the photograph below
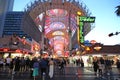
69, 73
87, 73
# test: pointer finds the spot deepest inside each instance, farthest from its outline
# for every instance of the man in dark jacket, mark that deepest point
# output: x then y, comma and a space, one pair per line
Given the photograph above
31, 67
43, 66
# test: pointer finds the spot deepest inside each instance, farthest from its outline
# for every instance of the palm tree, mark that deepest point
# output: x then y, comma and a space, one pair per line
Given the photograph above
117, 10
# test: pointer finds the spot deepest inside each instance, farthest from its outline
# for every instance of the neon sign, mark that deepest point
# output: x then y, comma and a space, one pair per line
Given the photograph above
80, 21
81, 33
87, 19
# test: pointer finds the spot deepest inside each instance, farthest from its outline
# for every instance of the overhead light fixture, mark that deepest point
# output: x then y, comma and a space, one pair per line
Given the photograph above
79, 13
97, 48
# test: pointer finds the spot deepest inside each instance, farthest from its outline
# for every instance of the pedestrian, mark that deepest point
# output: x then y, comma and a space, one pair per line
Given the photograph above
108, 65
118, 65
31, 67
95, 66
35, 68
51, 68
82, 63
11, 67
43, 66
102, 61
100, 68
17, 65
22, 64
61, 64
1, 64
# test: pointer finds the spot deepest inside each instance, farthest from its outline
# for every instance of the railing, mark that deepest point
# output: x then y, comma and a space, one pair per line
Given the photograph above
78, 3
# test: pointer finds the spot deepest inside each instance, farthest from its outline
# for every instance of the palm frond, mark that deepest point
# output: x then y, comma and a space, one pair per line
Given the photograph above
117, 10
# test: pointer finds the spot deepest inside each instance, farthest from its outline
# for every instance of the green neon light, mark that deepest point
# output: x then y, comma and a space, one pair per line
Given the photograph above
81, 37
87, 19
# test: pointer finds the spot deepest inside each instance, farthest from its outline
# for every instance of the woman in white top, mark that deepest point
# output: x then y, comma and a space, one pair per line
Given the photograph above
51, 68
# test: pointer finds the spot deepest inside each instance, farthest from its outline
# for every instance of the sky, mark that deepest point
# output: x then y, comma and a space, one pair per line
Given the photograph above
106, 20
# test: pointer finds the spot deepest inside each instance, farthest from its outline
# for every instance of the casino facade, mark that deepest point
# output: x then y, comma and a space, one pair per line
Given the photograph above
54, 24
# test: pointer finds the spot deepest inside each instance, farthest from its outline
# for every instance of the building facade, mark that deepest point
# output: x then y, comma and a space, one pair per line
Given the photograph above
14, 40
5, 6
12, 24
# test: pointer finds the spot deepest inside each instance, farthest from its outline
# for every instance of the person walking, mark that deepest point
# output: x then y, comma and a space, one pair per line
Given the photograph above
61, 64
17, 65
35, 68
43, 66
95, 66
100, 69
31, 67
102, 61
51, 68
1, 64
82, 62
118, 66
11, 67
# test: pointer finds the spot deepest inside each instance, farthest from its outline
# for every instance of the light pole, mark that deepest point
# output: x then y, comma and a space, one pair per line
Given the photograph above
112, 34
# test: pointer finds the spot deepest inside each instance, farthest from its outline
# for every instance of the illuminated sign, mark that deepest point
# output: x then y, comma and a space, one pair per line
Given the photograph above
87, 19
81, 33
57, 25
56, 12
80, 21
57, 33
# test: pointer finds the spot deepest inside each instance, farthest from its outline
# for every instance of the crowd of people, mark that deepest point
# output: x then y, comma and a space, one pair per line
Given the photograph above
45, 66
36, 66
102, 65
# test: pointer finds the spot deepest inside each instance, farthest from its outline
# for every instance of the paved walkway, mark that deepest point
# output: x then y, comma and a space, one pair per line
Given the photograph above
69, 73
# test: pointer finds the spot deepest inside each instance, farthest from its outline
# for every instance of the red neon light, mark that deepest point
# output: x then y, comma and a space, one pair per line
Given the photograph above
17, 51
5, 49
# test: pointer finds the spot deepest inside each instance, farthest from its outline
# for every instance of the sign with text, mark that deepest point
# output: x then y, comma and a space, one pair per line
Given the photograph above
87, 19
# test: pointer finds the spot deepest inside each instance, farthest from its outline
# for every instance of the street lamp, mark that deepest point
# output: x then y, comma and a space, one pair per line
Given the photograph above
112, 34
